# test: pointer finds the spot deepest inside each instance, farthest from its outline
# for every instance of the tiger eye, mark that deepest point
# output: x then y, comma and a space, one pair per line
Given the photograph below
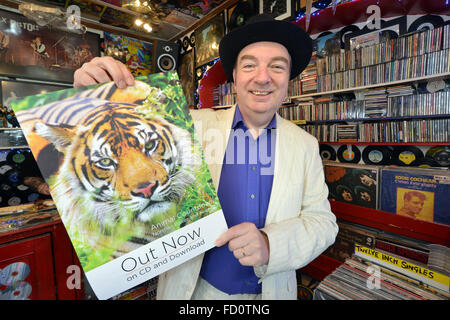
150, 145
105, 162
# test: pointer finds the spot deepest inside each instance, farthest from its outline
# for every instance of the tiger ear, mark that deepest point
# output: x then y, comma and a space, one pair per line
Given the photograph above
60, 137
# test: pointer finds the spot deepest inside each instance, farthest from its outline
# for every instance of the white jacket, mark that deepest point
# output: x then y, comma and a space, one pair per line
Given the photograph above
299, 222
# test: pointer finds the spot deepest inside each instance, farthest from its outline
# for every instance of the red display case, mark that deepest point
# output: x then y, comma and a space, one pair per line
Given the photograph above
35, 261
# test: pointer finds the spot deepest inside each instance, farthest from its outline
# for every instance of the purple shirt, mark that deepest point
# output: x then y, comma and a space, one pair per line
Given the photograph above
244, 192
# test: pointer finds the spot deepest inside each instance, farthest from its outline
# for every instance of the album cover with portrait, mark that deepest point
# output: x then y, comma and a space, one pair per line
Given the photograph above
352, 183
418, 193
127, 175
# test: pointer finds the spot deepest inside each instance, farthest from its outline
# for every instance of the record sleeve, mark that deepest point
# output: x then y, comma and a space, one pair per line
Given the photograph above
352, 183
132, 187
418, 193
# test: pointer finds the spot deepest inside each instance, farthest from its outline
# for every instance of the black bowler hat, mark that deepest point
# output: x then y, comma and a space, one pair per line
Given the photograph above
264, 28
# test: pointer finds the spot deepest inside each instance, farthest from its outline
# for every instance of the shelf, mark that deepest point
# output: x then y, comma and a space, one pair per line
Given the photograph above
413, 228
14, 147
434, 116
384, 84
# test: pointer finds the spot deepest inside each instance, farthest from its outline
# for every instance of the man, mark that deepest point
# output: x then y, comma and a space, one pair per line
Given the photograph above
413, 202
276, 208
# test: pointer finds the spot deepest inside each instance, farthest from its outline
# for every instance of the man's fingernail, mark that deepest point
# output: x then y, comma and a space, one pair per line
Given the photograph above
122, 84
130, 81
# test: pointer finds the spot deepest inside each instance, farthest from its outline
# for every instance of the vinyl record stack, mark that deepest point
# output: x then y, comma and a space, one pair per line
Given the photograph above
362, 279
379, 265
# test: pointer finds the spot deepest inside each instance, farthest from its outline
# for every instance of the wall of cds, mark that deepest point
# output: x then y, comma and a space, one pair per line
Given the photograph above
362, 34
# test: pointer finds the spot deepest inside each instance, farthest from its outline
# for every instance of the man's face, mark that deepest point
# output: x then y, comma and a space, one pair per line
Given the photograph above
414, 205
347, 196
261, 78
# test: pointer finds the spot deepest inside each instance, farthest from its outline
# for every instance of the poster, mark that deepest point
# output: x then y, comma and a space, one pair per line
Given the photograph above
134, 53
207, 39
32, 51
127, 176
418, 193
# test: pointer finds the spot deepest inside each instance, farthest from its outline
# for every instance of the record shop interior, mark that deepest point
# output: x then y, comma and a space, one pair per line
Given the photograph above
375, 95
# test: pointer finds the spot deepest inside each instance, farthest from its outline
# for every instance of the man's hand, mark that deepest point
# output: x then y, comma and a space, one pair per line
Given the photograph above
248, 244
103, 69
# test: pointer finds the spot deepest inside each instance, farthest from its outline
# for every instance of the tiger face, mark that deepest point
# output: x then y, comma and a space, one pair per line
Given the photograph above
119, 166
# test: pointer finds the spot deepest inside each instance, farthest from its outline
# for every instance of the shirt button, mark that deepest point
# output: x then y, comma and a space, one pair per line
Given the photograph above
252, 196
253, 168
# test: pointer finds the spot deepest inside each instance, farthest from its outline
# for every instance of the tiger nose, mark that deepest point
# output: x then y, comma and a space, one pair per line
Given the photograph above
145, 190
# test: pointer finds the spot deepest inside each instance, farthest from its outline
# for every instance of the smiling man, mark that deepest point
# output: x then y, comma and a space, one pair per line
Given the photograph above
268, 172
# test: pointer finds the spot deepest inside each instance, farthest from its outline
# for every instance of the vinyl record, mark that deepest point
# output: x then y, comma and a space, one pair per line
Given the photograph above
3, 155
425, 162
317, 39
240, 14
349, 155
185, 43
327, 152
13, 273
32, 196
5, 166
6, 189
406, 155
22, 188
440, 154
13, 176
345, 32
17, 156
426, 22
192, 40
15, 200
377, 155
20, 291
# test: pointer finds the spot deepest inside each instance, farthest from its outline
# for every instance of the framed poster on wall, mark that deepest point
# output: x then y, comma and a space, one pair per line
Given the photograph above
207, 39
28, 50
279, 9
137, 55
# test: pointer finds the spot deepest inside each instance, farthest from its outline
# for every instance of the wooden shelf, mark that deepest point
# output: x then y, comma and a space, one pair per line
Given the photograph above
384, 84
413, 228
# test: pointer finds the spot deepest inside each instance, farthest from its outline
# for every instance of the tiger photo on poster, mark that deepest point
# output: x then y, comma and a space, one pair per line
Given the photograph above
127, 175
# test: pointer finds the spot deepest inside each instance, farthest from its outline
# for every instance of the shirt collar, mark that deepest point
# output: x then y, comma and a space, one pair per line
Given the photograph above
239, 122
